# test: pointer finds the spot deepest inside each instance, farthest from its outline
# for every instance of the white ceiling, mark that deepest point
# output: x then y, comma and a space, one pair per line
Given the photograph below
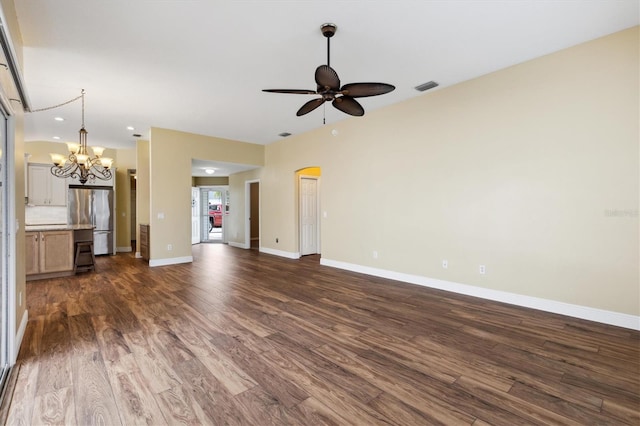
199, 65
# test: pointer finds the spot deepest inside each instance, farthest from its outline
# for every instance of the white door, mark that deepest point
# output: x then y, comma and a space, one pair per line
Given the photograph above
309, 228
195, 222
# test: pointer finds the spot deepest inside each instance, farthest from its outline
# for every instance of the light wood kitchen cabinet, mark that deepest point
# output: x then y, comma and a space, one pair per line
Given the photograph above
48, 253
32, 261
45, 189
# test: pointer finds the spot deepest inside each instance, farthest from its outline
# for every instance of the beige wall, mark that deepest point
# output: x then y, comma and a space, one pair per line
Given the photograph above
531, 171
170, 194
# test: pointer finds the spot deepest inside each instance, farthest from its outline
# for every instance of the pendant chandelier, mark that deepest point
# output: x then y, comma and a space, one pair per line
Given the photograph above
79, 165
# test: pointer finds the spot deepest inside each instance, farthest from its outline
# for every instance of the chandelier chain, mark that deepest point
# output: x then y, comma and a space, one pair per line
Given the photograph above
63, 104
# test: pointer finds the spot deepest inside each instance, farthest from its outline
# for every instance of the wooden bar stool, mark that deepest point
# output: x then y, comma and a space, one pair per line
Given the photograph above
85, 260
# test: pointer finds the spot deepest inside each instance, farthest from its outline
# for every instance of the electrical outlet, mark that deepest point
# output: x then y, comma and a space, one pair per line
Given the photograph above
482, 270
169, 247
445, 264
277, 241
375, 254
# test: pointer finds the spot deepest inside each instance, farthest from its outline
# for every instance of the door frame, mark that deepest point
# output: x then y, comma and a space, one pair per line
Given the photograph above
247, 212
204, 212
195, 204
10, 294
300, 233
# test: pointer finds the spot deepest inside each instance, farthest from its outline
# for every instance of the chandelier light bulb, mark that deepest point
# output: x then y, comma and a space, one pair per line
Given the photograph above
98, 150
82, 158
58, 159
106, 162
73, 147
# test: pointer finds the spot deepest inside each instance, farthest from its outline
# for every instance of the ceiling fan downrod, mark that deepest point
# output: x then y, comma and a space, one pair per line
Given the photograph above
328, 30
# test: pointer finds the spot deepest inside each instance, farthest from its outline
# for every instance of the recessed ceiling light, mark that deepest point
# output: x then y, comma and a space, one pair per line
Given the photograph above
58, 118
57, 138
209, 171
130, 128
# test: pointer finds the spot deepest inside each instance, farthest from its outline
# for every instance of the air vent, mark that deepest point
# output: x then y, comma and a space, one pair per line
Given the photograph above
284, 134
426, 86
137, 135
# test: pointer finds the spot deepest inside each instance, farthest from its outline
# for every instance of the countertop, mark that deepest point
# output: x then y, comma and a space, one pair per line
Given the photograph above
60, 227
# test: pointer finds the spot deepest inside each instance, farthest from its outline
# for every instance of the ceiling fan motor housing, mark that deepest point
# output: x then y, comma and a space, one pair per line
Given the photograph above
328, 30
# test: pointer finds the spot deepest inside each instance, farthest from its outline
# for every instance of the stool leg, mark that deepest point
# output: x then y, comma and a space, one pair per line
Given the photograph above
93, 258
75, 259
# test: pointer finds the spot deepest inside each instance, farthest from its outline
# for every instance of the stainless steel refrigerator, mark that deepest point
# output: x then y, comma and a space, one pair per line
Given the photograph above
94, 206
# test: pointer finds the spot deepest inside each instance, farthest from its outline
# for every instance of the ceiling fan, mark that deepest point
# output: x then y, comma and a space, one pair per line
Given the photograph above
343, 98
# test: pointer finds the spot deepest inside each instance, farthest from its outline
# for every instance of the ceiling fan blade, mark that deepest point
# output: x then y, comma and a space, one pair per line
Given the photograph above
326, 77
348, 105
294, 91
361, 90
310, 106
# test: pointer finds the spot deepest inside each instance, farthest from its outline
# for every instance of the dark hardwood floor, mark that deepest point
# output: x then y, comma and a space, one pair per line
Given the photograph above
244, 338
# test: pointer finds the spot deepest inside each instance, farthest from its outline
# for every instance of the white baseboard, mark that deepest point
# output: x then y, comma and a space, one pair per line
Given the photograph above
577, 311
281, 253
238, 245
138, 255
20, 335
170, 261
123, 250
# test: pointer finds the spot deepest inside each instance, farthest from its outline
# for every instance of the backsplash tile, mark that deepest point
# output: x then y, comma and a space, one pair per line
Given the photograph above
43, 215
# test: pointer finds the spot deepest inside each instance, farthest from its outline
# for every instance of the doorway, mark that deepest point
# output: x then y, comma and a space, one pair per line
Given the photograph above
213, 214
252, 214
133, 179
309, 214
